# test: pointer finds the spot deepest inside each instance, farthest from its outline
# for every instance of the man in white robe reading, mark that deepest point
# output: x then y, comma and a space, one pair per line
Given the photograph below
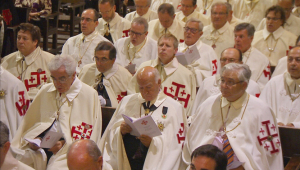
142, 10
240, 124
107, 77
125, 151
66, 106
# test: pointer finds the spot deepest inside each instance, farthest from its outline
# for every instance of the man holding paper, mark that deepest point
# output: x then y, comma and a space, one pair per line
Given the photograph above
68, 107
125, 151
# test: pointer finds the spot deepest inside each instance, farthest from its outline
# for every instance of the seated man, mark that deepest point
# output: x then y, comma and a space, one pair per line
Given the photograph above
37, 7
82, 46
208, 63
84, 154
29, 64
7, 161
282, 92
137, 48
166, 23
205, 6
208, 157
240, 124
142, 10
67, 106
177, 81
232, 20
111, 25
107, 77
125, 151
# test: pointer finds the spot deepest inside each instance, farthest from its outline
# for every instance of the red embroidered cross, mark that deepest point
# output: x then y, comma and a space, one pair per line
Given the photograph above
120, 96
31, 79
269, 137
262, 131
126, 33
266, 146
79, 127
171, 88
190, 51
278, 142
7, 16
22, 105
77, 130
267, 72
44, 78
178, 87
273, 127
183, 93
180, 134
38, 80
215, 67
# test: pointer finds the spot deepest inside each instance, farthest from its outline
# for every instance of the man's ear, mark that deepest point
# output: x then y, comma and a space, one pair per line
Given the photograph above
100, 161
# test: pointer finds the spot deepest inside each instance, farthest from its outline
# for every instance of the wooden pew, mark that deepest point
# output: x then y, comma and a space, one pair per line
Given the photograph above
107, 113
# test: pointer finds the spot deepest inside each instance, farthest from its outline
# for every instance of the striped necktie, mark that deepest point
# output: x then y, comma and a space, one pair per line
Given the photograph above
228, 150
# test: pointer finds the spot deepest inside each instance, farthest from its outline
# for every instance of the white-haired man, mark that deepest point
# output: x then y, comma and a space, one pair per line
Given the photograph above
206, 5
240, 124
142, 10
67, 106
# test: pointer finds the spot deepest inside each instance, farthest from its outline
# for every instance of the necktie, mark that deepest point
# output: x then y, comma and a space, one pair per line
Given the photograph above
228, 150
148, 108
107, 34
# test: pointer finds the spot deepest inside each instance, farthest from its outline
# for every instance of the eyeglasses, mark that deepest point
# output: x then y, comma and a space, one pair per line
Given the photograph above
102, 59
61, 80
142, 6
274, 19
297, 59
186, 6
229, 83
106, 12
218, 13
230, 60
87, 19
192, 30
136, 33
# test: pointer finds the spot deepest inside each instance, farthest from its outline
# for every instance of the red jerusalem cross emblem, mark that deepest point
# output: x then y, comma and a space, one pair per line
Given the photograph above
22, 104
120, 96
268, 141
178, 94
83, 131
215, 67
35, 79
180, 134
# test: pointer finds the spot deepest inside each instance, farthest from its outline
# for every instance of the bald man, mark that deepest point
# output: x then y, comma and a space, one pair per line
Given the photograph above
84, 154
125, 151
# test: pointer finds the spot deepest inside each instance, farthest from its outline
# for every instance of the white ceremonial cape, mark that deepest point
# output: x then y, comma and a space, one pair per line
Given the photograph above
205, 5
276, 95
35, 69
207, 65
83, 50
222, 38
196, 15
292, 24
115, 80
14, 101
155, 29
150, 15
281, 67
259, 65
80, 117
248, 140
235, 21
210, 87
296, 11
164, 151
264, 40
178, 84
147, 52
118, 27
11, 163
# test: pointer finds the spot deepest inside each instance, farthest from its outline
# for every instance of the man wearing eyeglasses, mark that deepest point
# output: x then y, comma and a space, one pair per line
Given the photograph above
238, 123
208, 63
292, 23
82, 46
112, 26
142, 10
106, 76
65, 106
137, 48
274, 41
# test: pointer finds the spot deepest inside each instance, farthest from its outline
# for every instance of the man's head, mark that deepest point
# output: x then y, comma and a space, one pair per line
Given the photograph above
234, 80
230, 13
208, 157
219, 14
149, 82
188, 6
166, 14
167, 48
84, 154
105, 56
138, 30
287, 5
89, 21
275, 17
4, 142
231, 55
107, 9
293, 62
243, 34
28, 38
142, 6
192, 31
63, 72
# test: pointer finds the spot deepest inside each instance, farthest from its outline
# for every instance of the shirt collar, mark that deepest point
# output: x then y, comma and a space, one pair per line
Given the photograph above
170, 67
276, 33
222, 29
236, 104
90, 36
171, 29
109, 72
30, 58
290, 81
114, 20
157, 101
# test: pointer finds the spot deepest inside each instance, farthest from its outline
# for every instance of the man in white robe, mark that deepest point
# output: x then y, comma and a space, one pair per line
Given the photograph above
14, 101
274, 41
292, 23
82, 46
188, 11
240, 124
232, 20
208, 63
296, 10
58, 107
112, 26
177, 81
159, 152
137, 48
204, 6
166, 23
219, 34
29, 63
283, 91
107, 77
142, 10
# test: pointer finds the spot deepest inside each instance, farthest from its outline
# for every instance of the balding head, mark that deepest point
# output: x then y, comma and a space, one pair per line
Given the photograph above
231, 55
84, 154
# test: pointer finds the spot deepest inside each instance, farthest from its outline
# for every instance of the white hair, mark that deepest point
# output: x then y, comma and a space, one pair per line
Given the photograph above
244, 72
65, 61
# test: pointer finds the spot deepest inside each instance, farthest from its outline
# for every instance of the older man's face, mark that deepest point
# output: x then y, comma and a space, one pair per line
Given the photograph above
88, 22
230, 55
219, 16
107, 11
242, 40
142, 7
25, 43
61, 80
165, 19
103, 62
137, 34
203, 162
148, 87
293, 63
187, 7
192, 33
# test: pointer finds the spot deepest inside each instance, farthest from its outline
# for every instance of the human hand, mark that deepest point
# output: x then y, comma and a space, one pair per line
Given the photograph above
102, 100
33, 146
290, 125
124, 128
146, 140
57, 146
280, 124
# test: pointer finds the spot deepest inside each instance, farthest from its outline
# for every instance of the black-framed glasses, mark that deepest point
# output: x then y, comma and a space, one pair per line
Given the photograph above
192, 30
